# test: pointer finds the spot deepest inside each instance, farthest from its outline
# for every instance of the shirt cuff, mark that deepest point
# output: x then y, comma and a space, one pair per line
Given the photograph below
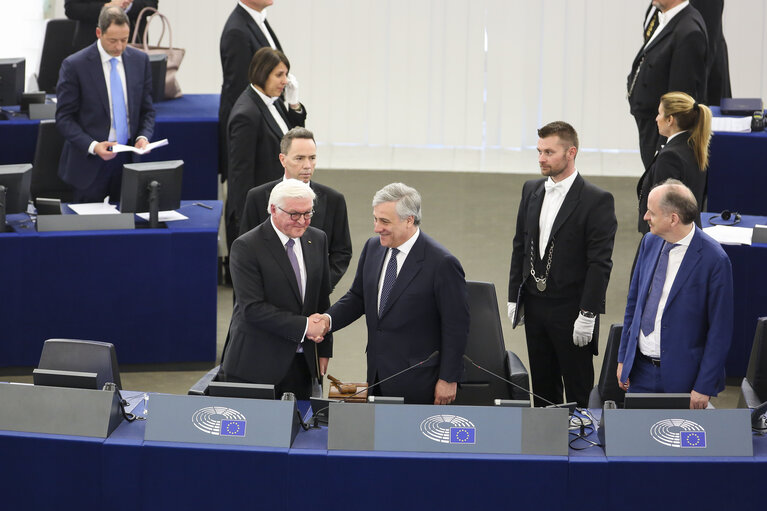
306, 328
330, 320
92, 148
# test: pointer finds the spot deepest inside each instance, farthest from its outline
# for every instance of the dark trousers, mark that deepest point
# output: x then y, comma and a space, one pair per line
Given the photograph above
107, 183
554, 359
649, 139
645, 377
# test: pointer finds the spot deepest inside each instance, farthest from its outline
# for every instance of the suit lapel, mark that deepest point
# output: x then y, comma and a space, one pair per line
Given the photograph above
320, 207
277, 250
410, 269
267, 115
312, 264
572, 199
667, 29
690, 261
253, 27
534, 212
97, 75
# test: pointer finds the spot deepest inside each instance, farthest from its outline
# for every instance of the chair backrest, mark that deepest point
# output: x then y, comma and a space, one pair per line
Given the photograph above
485, 347
57, 45
608, 381
45, 172
85, 356
756, 374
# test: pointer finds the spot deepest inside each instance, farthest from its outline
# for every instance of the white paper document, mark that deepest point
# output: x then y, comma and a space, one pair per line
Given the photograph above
94, 208
120, 148
731, 124
165, 216
729, 235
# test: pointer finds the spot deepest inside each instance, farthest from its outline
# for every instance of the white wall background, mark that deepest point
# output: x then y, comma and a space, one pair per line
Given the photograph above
442, 84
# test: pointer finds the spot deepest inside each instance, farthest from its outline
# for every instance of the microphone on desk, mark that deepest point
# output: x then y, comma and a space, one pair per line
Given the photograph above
570, 406
316, 415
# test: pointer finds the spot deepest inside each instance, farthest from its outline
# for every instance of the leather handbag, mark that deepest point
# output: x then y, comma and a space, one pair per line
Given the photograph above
175, 55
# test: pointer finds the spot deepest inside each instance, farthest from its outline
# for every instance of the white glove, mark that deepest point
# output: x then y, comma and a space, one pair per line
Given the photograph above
512, 309
291, 90
583, 330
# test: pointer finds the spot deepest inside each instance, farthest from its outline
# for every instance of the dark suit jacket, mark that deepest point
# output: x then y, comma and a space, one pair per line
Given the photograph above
269, 319
83, 109
329, 216
86, 12
674, 61
675, 160
254, 148
427, 310
240, 40
583, 234
697, 320
718, 82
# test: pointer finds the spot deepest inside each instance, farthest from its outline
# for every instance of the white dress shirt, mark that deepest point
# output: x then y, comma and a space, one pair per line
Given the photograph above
650, 345
269, 102
663, 19
260, 19
552, 201
106, 65
404, 250
301, 266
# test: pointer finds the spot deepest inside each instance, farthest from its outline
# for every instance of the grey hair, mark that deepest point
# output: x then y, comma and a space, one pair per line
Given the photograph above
678, 198
408, 200
289, 189
112, 15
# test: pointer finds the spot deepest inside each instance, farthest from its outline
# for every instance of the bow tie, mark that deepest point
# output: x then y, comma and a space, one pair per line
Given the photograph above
551, 186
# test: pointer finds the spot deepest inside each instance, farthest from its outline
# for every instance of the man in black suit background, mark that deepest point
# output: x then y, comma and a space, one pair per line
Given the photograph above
560, 267
86, 12
245, 32
298, 156
673, 58
280, 275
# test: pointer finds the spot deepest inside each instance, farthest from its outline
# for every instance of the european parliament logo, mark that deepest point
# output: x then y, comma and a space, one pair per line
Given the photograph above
219, 421
449, 429
679, 433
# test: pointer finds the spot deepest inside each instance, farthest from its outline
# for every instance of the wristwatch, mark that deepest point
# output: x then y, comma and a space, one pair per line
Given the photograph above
587, 314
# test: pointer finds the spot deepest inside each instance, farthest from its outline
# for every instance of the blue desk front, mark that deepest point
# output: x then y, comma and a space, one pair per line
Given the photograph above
750, 286
150, 292
190, 123
128, 473
736, 177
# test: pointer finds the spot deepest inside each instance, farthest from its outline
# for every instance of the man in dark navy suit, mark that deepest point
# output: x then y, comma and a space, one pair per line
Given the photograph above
104, 98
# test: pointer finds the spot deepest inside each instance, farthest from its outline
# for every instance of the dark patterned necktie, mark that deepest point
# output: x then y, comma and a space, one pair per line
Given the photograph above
653, 298
389, 278
294, 264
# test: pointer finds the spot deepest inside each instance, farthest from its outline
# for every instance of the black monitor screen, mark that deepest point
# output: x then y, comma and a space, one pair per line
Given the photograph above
134, 197
16, 179
246, 390
11, 81
651, 401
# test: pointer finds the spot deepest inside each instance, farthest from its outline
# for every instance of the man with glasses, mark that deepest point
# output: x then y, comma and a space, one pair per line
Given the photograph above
560, 266
280, 276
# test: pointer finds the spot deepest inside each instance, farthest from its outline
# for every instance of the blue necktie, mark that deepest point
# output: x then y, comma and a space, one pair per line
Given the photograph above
119, 115
294, 264
389, 278
653, 297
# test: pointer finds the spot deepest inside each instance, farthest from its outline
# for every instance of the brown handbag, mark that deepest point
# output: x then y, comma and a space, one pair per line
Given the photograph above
175, 55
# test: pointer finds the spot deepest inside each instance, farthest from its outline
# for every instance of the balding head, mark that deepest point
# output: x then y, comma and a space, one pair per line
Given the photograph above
671, 210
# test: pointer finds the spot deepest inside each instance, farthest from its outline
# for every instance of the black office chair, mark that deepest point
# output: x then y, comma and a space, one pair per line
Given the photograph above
753, 388
57, 45
607, 388
201, 387
487, 349
83, 356
45, 168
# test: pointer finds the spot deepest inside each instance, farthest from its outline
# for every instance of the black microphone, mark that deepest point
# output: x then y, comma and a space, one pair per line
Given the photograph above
529, 392
427, 359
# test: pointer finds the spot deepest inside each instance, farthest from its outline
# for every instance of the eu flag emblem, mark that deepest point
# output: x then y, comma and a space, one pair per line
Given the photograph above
463, 435
232, 428
693, 438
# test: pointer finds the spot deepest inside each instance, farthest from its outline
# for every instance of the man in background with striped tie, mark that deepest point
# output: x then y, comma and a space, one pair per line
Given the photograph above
104, 97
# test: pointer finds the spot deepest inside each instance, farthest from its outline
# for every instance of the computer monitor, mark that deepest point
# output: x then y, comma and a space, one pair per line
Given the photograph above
15, 181
159, 181
60, 378
11, 80
76, 355
245, 390
659, 401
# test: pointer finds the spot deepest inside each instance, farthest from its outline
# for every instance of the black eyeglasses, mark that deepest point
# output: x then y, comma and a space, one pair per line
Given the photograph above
297, 216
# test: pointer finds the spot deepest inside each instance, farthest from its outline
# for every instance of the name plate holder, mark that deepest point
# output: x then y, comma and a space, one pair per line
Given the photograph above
121, 221
451, 429
221, 420
676, 433
59, 410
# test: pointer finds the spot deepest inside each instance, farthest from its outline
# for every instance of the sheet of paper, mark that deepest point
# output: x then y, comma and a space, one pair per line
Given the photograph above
731, 124
120, 148
165, 216
729, 235
94, 208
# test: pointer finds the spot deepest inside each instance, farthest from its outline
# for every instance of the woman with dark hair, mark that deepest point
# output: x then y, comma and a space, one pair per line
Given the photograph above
687, 125
257, 123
